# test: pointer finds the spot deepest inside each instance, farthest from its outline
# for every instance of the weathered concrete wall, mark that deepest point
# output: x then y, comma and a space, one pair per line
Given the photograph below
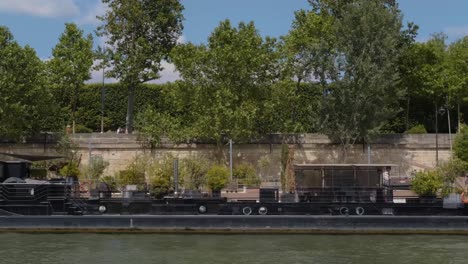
410, 152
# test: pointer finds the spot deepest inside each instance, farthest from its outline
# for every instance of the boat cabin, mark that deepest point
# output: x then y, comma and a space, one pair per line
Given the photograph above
13, 167
342, 182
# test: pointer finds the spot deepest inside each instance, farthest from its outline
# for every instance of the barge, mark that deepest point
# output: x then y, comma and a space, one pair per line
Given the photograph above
320, 189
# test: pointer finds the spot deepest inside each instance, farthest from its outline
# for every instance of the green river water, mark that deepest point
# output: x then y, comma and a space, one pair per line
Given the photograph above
219, 249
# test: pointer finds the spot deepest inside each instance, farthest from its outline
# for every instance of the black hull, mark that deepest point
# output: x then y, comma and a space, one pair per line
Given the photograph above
238, 224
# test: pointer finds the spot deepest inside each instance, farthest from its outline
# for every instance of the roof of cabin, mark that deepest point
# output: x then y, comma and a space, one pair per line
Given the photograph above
22, 158
340, 165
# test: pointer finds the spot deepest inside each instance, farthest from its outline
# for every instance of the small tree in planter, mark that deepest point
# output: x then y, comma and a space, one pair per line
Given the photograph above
246, 174
450, 171
427, 183
193, 171
217, 178
161, 175
70, 170
132, 175
96, 167
460, 144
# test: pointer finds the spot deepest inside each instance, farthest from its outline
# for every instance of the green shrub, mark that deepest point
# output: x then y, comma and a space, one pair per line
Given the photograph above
161, 176
39, 174
217, 177
131, 176
427, 183
246, 174
70, 170
96, 167
111, 182
82, 129
460, 145
193, 171
417, 129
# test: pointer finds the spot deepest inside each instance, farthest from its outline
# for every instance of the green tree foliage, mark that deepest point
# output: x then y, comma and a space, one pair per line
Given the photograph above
161, 176
458, 67
193, 171
417, 129
111, 182
460, 144
310, 48
435, 73
140, 34
70, 67
361, 98
217, 177
96, 167
70, 170
134, 174
427, 183
227, 82
246, 175
154, 96
26, 103
153, 125
450, 171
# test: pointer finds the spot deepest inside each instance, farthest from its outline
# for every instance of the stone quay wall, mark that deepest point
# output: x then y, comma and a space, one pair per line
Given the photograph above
409, 152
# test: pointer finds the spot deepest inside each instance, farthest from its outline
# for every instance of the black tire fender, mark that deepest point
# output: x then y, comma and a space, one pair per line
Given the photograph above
360, 210
344, 210
263, 210
247, 210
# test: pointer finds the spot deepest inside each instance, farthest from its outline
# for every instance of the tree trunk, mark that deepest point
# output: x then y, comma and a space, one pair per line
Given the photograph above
130, 106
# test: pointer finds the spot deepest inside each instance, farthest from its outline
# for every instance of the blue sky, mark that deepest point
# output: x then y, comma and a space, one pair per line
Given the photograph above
39, 23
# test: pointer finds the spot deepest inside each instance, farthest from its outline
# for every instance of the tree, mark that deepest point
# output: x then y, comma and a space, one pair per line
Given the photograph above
458, 63
194, 170
70, 66
309, 55
460, 146
246, 175
26, 103
427, 183
228, 82
217, 177
161, 175
309, 48
140, 34
153, 125
450, 171
363, 95
96, 167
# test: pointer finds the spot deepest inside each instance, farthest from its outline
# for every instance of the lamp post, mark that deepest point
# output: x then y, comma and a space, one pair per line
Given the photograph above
441, 111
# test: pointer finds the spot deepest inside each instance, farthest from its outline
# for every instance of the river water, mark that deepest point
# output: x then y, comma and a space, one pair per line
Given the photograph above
220, 249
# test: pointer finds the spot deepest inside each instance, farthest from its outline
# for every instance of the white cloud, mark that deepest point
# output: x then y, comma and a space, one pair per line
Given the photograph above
169, 74
456, 32
89, 16
43, 8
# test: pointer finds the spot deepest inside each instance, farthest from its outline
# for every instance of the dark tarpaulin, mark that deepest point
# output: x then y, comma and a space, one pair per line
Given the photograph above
12, 157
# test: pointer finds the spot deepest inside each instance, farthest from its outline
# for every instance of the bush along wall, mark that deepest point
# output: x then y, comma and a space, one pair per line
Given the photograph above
115, 103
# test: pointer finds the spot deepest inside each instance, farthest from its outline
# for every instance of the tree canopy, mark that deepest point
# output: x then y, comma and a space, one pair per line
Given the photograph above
139, 36
26, 103
70, 67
